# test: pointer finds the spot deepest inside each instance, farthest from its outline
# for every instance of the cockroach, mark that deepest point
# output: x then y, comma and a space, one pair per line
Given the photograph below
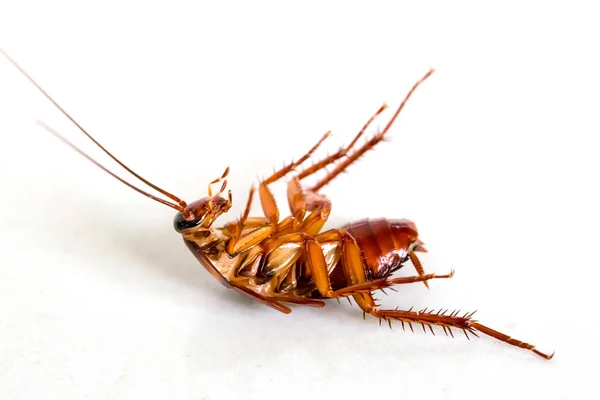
278, 261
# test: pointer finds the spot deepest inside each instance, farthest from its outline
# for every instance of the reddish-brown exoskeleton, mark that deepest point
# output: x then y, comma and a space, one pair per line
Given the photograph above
289, 260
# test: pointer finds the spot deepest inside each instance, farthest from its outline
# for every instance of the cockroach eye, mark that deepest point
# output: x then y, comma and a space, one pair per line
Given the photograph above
181, 224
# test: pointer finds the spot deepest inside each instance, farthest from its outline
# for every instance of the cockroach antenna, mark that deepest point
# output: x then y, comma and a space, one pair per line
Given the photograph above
179, 204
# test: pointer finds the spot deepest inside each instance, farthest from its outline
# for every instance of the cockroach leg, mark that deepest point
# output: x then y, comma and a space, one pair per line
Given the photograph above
355, 155
366, 125
313, 255
300, 201
341, 152
267, 200
259, 230
420, 246
351, 254
263, 299
285, 225
235, 229
300, 300
296, 201
443, 319
248, 205
351, 259
256, 236
418, 266
507, 339
419, 278
382, 283
268, 203
293, 165
318, 267
320, 208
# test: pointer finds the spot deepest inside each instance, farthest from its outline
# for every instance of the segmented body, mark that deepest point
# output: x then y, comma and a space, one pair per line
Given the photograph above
385, 246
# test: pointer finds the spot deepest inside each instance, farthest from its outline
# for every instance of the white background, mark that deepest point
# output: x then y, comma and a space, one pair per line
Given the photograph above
495, 158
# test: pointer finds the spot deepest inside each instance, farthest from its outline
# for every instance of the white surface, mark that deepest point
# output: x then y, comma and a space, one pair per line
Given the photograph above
495, 158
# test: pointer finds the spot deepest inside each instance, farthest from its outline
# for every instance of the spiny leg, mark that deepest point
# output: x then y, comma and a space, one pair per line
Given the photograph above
320, 208
263, 299
370, 143
300, 201
296, 193
293, 165
341, 152
267, 200
440, 318
383, 283
270, 271
314, 257
350, 259
284, 298
355, 275
417, 264
311, 250
507, 339
317, 268
257, 230
268, 203
276, 300
236, 228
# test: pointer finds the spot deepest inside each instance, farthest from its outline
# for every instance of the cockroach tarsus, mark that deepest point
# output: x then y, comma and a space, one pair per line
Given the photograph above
290, 260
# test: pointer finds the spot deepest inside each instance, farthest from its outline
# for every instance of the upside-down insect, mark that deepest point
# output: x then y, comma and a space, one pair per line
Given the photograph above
290, 260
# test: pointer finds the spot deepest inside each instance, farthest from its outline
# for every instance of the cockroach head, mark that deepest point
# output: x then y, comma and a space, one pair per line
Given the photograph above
201, 213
